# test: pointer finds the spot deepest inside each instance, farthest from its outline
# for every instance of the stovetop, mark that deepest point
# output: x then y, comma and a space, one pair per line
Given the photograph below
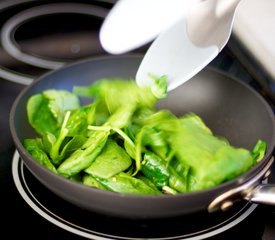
41, 37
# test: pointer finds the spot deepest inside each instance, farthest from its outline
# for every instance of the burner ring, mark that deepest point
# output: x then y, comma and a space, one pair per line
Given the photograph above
9, 29
5, 73
54, 216
16, 77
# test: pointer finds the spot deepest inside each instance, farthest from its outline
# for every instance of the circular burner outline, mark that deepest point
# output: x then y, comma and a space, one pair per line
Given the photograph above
5, 73
12, 75
90, 234
9, 28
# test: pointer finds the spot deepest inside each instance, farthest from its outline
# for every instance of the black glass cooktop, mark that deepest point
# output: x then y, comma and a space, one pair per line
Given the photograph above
35, 213
28, 209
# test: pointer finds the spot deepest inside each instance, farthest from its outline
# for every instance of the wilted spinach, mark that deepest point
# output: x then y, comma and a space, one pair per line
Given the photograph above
120, 142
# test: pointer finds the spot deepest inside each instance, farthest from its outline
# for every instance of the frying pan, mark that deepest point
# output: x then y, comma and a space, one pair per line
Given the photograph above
229, 107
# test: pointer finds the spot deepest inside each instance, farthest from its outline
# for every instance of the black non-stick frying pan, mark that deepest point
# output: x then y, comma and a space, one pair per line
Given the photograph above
229, 107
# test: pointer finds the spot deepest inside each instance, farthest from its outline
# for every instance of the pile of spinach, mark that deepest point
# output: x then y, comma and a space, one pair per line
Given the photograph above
120, 142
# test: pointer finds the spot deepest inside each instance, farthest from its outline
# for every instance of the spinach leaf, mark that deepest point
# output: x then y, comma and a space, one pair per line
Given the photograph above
124, 183
212, 159
47, 110
59, 101
155, 169
90, 181
118, 92
39, 115
36, 149
83, 157
112, 160
160, 86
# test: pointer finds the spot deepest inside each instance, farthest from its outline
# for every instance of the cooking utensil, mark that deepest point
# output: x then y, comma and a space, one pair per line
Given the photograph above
131, 24
229, 107
174, 55
188, 46
191, 41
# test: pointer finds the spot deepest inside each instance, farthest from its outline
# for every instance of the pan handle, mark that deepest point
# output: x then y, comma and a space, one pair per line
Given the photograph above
264, 193
252, 190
